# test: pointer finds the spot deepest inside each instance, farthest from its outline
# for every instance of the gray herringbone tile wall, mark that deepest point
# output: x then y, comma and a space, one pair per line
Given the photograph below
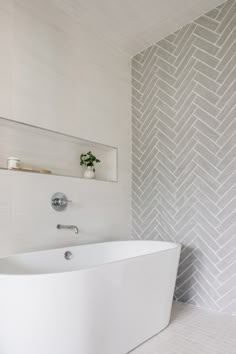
184, 153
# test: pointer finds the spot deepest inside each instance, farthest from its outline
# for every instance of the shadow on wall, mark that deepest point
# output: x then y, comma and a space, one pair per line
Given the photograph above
186, 275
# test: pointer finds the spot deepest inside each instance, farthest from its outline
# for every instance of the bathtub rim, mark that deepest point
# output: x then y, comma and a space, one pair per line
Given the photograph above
176, 246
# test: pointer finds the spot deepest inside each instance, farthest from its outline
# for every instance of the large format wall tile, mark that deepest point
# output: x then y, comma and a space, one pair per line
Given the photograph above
6, 37
28, 222
184, 153
57, 74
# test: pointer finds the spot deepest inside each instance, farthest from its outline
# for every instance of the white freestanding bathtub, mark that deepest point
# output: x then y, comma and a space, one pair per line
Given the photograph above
107, 299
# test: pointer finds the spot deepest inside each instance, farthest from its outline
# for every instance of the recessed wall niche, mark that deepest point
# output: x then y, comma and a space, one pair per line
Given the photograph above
41, 149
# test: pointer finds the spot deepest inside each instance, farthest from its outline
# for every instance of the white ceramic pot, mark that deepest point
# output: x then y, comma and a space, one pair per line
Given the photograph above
89, 172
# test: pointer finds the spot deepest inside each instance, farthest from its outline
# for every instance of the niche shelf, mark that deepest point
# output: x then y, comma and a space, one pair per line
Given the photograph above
42, 149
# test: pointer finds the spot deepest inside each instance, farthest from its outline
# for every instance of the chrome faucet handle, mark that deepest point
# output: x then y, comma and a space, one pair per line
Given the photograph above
59, 201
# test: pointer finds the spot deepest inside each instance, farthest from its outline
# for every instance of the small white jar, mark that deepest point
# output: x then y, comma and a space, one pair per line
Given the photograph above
13, 162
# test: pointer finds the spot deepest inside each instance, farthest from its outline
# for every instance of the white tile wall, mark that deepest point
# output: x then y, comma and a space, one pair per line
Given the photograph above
57, 75
28, 222
5, 57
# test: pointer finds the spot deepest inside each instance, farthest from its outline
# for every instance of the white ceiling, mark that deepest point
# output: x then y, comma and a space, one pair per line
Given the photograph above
133, 25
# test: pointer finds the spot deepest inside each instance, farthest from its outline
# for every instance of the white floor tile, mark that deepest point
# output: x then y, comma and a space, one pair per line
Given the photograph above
193, 331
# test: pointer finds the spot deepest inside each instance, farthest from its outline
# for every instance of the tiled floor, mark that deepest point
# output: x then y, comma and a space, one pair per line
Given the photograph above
193, 331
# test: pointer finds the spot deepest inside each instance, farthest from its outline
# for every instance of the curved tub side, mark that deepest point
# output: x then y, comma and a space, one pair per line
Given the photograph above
105, 310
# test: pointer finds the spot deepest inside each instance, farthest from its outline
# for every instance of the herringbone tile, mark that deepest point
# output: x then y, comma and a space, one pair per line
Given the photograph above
184, 153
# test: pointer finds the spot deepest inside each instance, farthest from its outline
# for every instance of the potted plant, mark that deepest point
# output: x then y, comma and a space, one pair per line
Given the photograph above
89, 160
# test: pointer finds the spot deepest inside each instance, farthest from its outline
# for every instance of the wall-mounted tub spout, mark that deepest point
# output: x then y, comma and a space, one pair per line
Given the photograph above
68, 227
